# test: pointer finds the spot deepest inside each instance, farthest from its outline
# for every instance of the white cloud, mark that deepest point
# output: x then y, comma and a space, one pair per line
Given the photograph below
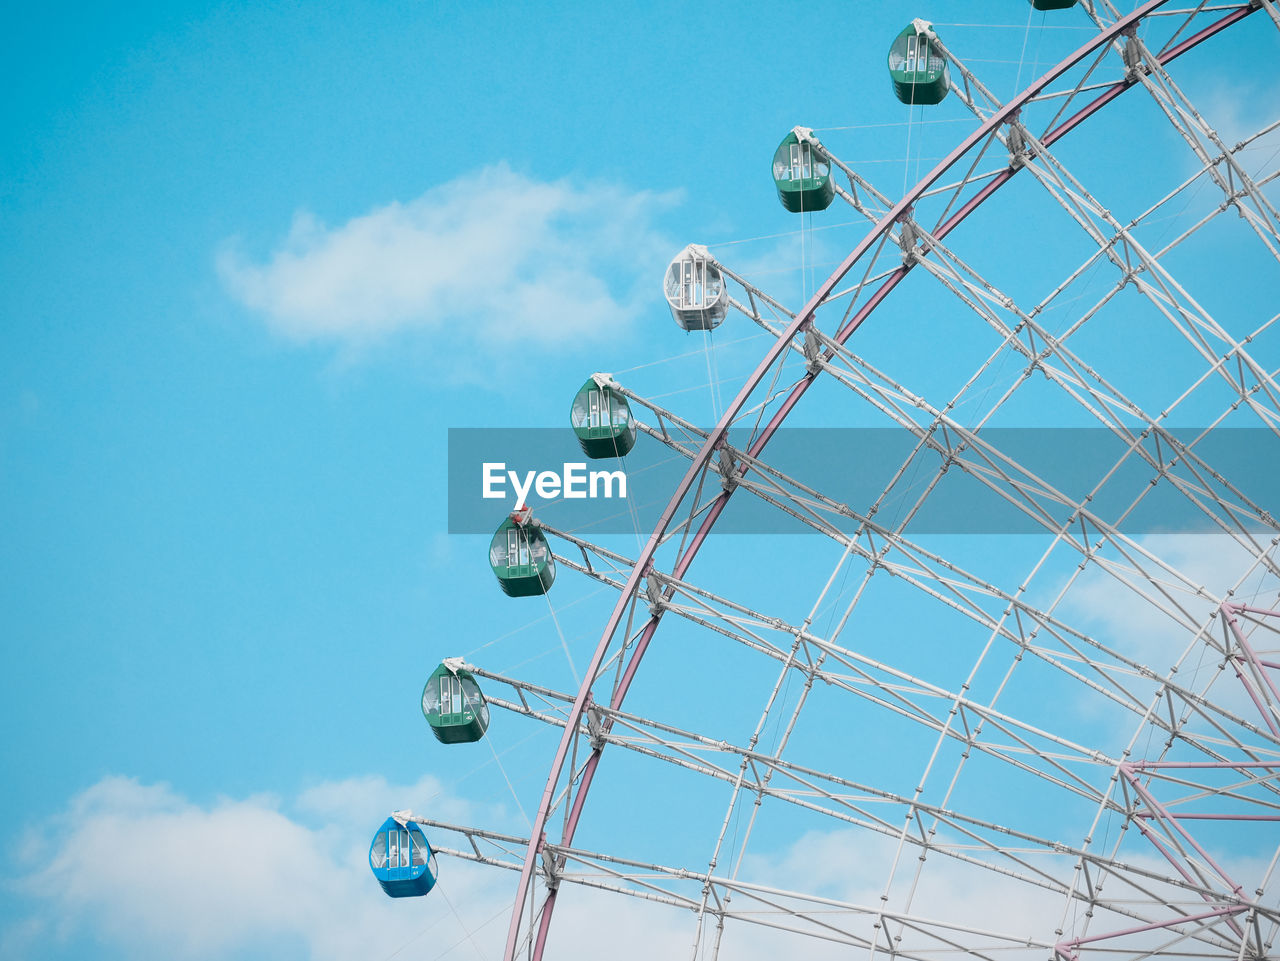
143, 870
498, 256
1127, 614
1236, 109
1113, 608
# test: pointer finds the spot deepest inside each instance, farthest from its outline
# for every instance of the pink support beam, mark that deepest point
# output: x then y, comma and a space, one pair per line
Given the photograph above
1163, 812
1067, 949
1214, 817
1250, 609
1154, 765
717, 436
1229, 612
1128, 772
1135, 766
1168, 856
1253, 696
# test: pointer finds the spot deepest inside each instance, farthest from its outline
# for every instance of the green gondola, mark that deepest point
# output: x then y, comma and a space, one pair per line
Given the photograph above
520, 557
601, 417
916, 67
453, 705
1052, 4
802, 174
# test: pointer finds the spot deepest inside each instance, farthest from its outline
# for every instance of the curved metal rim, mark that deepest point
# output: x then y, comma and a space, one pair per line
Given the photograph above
717, 436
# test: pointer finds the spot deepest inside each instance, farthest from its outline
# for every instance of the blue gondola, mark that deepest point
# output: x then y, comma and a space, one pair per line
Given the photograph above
402, 860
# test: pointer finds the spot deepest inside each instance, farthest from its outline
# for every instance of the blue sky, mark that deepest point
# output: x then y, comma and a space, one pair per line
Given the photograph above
256, 260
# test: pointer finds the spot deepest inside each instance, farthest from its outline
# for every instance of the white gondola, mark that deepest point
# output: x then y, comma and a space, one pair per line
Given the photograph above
696, 290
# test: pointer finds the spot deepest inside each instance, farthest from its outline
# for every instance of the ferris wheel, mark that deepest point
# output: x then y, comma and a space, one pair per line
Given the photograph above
1042, 734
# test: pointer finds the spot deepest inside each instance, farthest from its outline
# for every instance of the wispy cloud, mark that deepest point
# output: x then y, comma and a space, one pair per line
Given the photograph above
1127, 613
1123, 610
143, 870
494, 254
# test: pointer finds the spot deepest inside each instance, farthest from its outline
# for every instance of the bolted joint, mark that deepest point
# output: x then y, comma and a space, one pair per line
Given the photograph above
1016, 141
653, 587
550, 869
806, 135
595, 728
730, 473
1132, 54
812, 350
908, 237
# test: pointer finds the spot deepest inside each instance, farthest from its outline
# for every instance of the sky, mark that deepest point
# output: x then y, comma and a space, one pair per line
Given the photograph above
258, 259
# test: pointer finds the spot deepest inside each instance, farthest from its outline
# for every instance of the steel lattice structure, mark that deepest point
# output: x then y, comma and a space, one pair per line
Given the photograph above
1201, 750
